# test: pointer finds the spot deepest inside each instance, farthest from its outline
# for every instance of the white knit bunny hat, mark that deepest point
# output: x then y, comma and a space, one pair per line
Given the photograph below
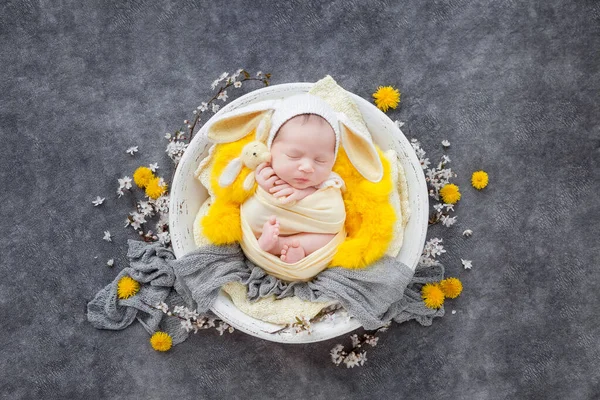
326, 99
300, 104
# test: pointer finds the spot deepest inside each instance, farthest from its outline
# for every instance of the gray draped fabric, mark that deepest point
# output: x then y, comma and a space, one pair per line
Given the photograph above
387, 290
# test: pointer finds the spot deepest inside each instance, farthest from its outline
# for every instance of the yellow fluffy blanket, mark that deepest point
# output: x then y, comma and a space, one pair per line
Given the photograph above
370, 217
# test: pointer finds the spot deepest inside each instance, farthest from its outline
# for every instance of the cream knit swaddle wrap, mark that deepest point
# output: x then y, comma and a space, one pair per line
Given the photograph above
321, 212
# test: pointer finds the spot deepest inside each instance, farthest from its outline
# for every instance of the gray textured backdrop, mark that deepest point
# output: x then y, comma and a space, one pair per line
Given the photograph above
512, 85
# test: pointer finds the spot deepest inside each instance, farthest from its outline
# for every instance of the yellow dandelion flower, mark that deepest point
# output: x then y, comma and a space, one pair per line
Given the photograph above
154, 189
450, 193
161, 341
451, 287
142, 176
432, 295
127, 287
386, 97
479, 179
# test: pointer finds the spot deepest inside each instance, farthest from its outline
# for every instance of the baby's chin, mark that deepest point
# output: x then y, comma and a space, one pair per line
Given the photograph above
301, 185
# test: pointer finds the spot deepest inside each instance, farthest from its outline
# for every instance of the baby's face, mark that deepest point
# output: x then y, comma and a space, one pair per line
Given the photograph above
303, 153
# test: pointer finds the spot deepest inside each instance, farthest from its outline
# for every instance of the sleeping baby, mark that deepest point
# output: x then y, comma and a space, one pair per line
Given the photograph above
302, 156
294, 220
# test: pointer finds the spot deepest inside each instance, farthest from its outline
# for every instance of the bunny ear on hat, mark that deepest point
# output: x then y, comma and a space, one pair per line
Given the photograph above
355, 136
360, 149
238, 123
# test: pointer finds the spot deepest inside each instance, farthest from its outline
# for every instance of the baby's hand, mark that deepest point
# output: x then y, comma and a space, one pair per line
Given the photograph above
265, 176
286, 193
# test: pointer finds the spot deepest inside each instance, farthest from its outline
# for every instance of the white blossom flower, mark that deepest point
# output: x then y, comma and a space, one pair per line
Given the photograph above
107, 236
110, 262
433, 248
215, 83
153, 167
210, 322
224, 327
167, 135
420, 153
449, 207
187, 313
162, 306
162, 206
385, 327
259, 74
164, 237
353, 360
399, 124
448, 221
215, 107
124, 183
445, 159
355, 340
145, 208
371, 340
187, 325
466, 263
467, 232
445, 143
438, 207
337, 354
424, 163
203, 106
237, 84
223, 76
453, 312
132, 150
137, 220
99, 200
175, 150
178, 310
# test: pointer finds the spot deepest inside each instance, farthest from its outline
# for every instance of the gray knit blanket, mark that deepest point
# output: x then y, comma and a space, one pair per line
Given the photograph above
387, 290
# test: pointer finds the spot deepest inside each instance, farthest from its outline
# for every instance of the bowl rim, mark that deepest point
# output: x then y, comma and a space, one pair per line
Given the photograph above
223, 307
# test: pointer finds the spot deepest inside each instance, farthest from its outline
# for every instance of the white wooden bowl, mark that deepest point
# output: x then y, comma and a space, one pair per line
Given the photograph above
187, 195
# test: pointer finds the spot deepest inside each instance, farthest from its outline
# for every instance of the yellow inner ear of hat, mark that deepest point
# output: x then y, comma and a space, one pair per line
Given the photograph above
370, 216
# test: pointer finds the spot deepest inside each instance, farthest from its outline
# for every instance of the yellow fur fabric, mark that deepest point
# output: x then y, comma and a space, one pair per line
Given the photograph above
222, 224
370, 216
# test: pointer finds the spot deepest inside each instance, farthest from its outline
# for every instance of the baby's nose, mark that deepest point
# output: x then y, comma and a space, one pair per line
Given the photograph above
306, 166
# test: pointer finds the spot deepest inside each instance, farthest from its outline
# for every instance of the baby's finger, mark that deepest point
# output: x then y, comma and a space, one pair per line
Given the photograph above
280, 182
260, 167
284, 192
277, 188
271, 181
267, 172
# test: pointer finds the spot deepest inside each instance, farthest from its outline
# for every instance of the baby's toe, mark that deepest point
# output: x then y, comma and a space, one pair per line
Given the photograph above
282, 256
295, 243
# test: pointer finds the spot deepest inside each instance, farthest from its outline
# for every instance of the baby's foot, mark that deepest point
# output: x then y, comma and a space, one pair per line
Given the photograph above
270, 234
292, 253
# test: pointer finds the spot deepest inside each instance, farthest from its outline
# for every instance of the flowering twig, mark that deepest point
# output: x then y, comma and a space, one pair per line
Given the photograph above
191, 320
356, 356
178, 142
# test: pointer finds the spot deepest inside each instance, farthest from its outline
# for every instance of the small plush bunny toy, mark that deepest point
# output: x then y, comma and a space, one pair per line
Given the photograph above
253, 154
